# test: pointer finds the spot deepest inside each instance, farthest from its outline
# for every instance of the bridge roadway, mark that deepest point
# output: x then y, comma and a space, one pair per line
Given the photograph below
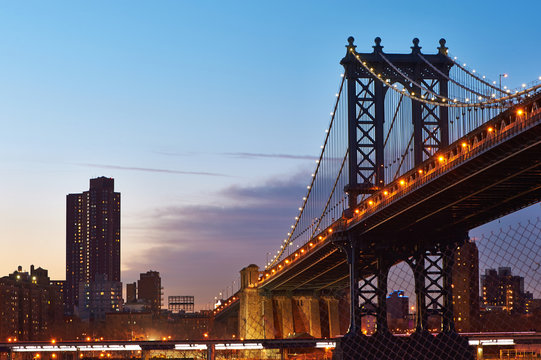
493, 171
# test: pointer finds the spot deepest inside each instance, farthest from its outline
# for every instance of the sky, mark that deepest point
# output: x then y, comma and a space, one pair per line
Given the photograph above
208, 115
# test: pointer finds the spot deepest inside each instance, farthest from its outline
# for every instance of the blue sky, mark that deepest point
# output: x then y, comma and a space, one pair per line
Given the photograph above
207, 114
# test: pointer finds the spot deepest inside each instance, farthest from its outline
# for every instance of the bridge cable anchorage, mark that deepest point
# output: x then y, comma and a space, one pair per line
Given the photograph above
500, 103
290, 238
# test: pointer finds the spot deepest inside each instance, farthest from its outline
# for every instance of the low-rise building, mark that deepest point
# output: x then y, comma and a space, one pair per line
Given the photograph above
30, 307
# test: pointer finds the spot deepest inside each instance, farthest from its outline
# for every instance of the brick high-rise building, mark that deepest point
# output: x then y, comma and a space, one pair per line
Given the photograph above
466, 287
149, 289
92, 238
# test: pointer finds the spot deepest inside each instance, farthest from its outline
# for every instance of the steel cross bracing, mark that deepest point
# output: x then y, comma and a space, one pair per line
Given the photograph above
366, 110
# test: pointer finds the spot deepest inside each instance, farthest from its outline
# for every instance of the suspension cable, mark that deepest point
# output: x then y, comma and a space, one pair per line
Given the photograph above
403, 157
289, 239
330, 196
394, 118
449, 79
473, 75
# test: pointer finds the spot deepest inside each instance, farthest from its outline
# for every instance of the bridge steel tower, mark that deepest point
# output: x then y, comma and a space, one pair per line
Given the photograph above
430, 255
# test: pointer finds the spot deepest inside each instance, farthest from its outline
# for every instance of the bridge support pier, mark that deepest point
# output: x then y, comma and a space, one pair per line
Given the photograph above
250, 313
211, 352
368, 300
268, 317
285, 312
333, 316
432, 270
308, 317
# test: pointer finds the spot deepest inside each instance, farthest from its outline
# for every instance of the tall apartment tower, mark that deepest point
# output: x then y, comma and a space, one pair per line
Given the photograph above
149, 289
465, 275
92, 238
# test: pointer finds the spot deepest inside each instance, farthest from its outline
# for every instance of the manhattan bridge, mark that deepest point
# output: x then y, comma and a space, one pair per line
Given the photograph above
420, 149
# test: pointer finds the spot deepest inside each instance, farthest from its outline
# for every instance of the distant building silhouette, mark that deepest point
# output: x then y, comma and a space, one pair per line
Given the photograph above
92, 239
131, 293
466, 287
180, 304
99, 297
503, 291
149, 289
397, 305
30, 306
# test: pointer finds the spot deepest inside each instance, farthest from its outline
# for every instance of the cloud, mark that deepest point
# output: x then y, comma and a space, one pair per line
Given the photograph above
200, 249
274, 156
247, 155
168, 171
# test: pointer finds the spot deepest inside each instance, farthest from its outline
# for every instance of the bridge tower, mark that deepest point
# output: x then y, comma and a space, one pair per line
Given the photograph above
366, 110
366, 91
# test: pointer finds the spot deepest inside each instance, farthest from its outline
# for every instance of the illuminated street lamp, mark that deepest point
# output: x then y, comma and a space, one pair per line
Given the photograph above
504, 75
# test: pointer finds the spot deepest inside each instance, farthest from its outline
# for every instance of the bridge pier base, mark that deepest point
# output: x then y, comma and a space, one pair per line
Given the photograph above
333, 316
432, 269
211, 352
285, 312
268, 317
310, 321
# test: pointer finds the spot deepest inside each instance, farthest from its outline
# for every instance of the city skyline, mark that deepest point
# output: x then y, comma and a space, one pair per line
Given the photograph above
210, 132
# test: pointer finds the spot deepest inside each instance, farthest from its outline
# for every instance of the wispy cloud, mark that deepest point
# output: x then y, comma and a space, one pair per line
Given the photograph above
246, 155
274, 156
144, 169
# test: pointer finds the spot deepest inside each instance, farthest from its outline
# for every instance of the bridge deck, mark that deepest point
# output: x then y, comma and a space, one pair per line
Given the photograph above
493, 171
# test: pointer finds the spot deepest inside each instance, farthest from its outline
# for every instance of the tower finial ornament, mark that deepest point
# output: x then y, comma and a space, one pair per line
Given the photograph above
350, 45
443, 49
377, 47
415, 49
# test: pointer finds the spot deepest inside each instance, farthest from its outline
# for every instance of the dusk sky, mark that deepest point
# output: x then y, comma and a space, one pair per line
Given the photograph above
208, 115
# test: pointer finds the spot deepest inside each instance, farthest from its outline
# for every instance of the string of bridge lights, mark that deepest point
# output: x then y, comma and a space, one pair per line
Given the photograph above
524, 89
480, 95
485, 81
473, 73
440, 100
288, 241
